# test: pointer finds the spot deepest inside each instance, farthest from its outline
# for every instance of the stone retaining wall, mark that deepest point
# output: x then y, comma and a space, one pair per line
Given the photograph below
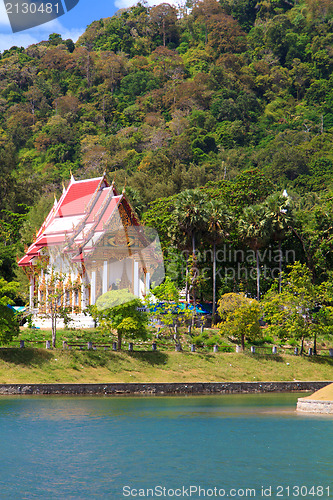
314, 406
160, 389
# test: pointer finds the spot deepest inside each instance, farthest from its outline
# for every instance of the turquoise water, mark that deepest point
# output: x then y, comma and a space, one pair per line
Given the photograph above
115, 448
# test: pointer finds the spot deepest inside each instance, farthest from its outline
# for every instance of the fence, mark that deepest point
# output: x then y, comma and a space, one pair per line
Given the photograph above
254, 350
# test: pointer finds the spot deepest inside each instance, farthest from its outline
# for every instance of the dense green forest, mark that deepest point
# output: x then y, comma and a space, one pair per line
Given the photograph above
207, 113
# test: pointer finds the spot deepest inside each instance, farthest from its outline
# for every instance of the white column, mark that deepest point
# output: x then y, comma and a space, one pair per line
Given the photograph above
136, 287
147, 282
93, 287
105, 277
31, 293
83, 296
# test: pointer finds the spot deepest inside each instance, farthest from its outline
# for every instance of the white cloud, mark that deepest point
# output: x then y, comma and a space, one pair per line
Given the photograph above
4, 21
55, 26
37, 34
19, 39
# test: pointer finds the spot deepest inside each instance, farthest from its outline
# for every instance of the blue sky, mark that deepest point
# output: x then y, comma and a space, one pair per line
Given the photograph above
70, 25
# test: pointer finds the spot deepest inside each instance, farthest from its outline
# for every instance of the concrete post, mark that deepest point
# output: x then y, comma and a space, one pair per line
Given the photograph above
238, 348
89, 345
64, 344
253, 349
48, 344
192, 348
296, 351
216, 348
130, 346
274, 349
21, 344
114, 346
154, 346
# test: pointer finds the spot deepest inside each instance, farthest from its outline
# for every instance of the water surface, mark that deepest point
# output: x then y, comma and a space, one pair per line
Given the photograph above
93, 447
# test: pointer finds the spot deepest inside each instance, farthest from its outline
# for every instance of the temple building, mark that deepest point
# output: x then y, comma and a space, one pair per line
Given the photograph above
91, 242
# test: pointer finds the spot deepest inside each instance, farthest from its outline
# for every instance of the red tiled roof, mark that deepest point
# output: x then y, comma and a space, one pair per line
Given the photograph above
83, 212
98, 204
108, 213
25, 261
77, 197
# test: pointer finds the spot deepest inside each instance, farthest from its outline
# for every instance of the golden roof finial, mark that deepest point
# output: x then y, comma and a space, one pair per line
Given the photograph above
124, 190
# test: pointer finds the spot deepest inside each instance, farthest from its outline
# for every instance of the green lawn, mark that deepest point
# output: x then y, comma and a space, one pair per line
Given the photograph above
36, 364
33, 365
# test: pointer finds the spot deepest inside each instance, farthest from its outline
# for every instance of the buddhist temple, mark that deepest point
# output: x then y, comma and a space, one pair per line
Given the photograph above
91, 242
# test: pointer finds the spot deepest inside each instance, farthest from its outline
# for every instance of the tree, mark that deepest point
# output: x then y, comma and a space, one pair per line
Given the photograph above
168, 308
292, 313
9, 326
218, 225
123, 311
277, 214
203, 11
254, 230
164, 16
55, 299
225, 34
240, 316
188, 222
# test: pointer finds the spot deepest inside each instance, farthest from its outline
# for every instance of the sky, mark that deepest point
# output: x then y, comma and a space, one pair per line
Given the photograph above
71, 25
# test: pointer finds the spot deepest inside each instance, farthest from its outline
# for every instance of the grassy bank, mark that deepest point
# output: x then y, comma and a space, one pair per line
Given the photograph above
30, 365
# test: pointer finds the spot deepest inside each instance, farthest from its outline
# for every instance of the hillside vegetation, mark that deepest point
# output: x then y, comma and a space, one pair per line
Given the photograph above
231, 99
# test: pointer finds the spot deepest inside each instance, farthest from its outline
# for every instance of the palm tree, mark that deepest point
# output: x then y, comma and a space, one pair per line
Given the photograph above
218, 225
253, 228
188, 222
278, 216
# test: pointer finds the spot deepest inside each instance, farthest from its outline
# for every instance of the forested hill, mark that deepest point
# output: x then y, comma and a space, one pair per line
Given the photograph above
171, 99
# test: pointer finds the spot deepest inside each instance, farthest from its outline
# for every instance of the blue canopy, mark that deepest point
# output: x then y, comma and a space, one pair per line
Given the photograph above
200, 308
17, 308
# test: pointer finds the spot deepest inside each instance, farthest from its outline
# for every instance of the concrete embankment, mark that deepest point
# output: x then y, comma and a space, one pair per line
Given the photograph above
314, 406
319, 402
159, 389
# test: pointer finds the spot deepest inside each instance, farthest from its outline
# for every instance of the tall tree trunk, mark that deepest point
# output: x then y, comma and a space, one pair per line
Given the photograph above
194, 277
54, 328
302, 346
258, 275
214, 283
186, 284
119, 341
280, 267
315, 343
163, 23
